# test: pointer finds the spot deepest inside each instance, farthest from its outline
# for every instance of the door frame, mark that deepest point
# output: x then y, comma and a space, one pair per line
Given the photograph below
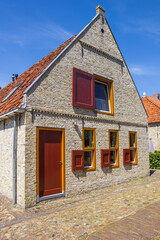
63, 164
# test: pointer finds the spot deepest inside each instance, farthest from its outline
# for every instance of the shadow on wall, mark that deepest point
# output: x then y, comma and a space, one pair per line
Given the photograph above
79, 174
107, 170
85, 112
152, 171
128, 167
78, 131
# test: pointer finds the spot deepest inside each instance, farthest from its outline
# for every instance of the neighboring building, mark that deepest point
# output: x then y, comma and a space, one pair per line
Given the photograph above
73, 122
152, 106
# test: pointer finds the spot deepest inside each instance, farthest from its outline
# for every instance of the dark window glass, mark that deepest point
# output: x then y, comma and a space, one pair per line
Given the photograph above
101, 97
132, 155
88, 155
113, 157
88, 138
132, 139
113, 136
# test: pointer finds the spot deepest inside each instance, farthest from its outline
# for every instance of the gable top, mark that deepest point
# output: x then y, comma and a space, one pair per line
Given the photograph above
152, 106
16, 98
33, 74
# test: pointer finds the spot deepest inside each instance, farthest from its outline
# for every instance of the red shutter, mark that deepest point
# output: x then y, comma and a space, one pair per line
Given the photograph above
83, 89
126, 156
77, 160
105, 158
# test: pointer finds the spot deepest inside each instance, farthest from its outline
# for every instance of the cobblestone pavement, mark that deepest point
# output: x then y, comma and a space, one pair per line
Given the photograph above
144, 224
96, 211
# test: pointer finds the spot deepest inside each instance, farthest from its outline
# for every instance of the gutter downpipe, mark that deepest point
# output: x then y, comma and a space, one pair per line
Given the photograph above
14, 161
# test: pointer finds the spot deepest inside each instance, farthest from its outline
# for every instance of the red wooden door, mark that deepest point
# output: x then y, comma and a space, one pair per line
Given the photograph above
50, 174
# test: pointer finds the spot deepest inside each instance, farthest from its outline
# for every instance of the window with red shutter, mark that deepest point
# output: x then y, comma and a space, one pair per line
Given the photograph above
89, 147
77, 160
126, 156
114, 148
133, 147
83, 89
105, 158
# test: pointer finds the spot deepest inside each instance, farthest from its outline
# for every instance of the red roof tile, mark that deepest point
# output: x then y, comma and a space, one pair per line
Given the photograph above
15, 100
152, 106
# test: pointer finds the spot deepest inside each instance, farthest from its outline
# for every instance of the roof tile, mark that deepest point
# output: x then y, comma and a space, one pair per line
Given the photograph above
15, 100
152, 106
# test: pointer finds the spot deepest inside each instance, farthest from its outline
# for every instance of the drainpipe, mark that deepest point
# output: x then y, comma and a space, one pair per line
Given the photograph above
14, 161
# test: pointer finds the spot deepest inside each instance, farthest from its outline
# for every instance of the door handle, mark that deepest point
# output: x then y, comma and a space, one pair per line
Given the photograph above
60, 162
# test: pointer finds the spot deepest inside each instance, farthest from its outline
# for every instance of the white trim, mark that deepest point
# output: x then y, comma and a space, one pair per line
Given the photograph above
59, 55
12, 112
11, 93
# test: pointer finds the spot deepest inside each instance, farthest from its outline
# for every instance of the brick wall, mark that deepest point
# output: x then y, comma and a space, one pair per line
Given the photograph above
154, 133
78, 182
51, 98
6, 157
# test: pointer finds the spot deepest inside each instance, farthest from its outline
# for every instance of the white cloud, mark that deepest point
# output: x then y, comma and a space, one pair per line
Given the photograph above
10, 37
138, 71
35, 32
51, 30
144, 26
141, 70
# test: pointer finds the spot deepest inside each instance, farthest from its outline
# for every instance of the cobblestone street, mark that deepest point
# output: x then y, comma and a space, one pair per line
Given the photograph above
114, 212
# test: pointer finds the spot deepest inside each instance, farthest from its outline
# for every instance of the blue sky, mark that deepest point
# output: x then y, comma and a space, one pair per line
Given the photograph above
29, 30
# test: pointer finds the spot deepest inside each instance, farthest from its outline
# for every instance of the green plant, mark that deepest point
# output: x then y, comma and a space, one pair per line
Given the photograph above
154, 159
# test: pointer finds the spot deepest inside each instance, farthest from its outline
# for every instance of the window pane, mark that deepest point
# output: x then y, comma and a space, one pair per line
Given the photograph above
113, 157
88, 156
132, 139
133, 155
88, 138
113, 138
101, 97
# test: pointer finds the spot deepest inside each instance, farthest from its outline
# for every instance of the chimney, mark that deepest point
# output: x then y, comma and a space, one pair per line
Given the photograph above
0, 88
100, 10
157, 96
14, 77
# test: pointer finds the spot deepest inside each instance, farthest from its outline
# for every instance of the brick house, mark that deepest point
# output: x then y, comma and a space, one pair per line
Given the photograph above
152, 106
73, 122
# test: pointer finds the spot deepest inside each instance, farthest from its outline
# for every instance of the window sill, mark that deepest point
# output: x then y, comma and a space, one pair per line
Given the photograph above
89, 169
134, 163
103, 112
114, 166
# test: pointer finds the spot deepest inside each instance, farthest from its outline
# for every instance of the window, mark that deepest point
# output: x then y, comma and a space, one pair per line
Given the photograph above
102, 97
114, 148
133, 147
92, 92
89, 148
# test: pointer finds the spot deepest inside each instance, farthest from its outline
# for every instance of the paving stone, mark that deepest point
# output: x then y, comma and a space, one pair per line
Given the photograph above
125, 211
